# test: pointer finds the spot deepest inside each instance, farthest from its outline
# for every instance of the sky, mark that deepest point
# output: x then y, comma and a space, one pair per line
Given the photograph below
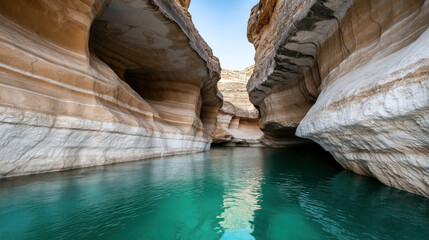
223, 24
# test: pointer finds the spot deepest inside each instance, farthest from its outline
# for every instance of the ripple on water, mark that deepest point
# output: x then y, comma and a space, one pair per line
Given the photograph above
226, 193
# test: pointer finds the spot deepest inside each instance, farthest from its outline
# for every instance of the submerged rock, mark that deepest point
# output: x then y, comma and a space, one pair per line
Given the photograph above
354, 76
87, 83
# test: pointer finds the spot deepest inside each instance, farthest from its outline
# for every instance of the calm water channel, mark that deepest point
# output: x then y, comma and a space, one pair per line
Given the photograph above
226, 193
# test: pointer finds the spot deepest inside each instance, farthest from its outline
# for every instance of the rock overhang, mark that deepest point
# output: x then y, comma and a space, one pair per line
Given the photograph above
80, 110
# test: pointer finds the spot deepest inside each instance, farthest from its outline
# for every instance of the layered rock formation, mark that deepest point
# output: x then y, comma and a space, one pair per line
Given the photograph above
184, 3
274, 87
238, 119
366, 64
87, 83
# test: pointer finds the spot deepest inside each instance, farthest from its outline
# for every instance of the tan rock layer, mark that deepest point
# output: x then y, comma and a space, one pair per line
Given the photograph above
184, 3
238, 120
234, 129
351, 56
233, 88
279, 67
381, 129
299, 46
62, 107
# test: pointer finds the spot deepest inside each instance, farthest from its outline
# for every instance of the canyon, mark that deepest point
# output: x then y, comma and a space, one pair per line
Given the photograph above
352, 76
95, 82
86, 83
238, 119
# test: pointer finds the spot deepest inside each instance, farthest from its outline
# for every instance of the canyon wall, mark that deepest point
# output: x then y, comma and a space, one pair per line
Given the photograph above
184, 3
352, 76
238, 119
93, 82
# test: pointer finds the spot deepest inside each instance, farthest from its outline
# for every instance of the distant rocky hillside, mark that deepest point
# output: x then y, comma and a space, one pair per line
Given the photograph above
238, 119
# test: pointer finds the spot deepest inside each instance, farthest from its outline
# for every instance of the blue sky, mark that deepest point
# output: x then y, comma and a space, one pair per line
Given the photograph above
223, 24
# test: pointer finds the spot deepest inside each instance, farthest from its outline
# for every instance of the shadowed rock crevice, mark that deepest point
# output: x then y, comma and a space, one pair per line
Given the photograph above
284, 75
162, 60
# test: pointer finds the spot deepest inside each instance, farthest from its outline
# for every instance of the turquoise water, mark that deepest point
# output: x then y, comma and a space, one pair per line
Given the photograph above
226, 193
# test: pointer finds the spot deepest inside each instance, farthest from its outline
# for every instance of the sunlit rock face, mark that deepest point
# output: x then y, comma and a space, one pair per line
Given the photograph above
184, 3
366, 64
238, 119
87, 83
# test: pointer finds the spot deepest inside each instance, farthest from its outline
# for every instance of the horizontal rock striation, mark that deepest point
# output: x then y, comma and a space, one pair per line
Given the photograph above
364, 66
85, 83
184, 3
373, 111
284, 55
238, 119
236, 128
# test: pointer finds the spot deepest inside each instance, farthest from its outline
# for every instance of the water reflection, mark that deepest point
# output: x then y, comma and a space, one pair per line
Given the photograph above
227, 193
362, 206
242, 194
310, 198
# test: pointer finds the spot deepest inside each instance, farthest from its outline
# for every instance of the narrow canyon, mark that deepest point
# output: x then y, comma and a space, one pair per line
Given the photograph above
238, 119
94, 82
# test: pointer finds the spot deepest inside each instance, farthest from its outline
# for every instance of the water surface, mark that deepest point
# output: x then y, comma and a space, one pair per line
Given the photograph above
226, 193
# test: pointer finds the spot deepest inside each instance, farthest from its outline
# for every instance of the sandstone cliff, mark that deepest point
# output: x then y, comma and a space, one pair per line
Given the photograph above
184, 3
362, 68
238, 119
87, 83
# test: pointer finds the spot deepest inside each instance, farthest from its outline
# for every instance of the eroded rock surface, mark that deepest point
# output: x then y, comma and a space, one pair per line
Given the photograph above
366, 64
238, 119
275, 87
87, 83
184, 3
